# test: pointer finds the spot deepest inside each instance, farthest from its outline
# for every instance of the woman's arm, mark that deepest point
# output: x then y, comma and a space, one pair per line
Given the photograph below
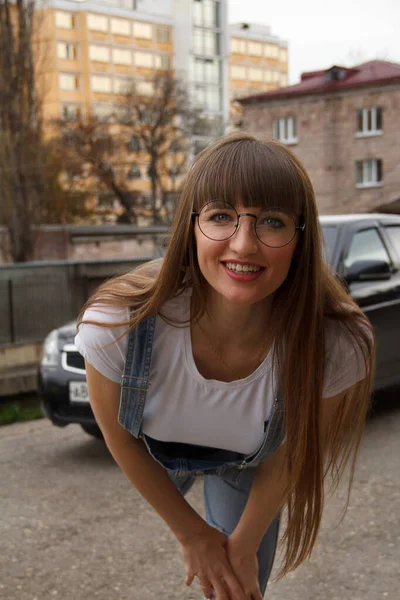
266, 499
203, 548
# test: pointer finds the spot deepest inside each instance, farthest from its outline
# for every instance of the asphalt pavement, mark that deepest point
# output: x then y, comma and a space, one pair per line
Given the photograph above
73, 528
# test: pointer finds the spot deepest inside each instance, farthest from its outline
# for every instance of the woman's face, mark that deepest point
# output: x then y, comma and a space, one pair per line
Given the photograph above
242, 270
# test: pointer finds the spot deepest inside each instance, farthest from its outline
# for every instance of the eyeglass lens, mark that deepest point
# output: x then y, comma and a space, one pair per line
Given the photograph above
219, 221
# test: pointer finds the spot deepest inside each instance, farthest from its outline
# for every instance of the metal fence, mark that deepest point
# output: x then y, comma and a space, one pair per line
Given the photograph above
38, 297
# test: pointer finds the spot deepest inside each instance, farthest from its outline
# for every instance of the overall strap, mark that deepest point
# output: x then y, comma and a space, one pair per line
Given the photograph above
135, 380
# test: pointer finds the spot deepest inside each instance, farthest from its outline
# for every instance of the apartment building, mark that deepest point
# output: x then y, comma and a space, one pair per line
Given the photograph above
344, 125
96, 48
258, 60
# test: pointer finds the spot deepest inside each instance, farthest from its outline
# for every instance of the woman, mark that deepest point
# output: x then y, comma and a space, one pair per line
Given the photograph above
239, 358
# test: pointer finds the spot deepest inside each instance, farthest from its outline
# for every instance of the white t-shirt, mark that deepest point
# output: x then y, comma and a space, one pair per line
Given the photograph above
183, 406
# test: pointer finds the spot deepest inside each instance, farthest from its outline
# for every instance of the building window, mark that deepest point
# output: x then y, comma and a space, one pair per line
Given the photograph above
283, 56
284, 80
285, 130
134, 172
121, 27
238, 72
122, 85
142, 30
65, 20
68, 82
122, 57
369, 173
238, 46
206, 43
255, 74
271, 51
205, 70
66, 51
144, 59
101, 84
162, 62
208, 98
369, 121
206, 13
134, 144
102, 112
97, 22
144, 88
99, 53
163, 35
255, 49
70, 112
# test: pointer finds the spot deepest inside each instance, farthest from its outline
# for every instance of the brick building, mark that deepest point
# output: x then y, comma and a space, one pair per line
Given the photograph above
344, 124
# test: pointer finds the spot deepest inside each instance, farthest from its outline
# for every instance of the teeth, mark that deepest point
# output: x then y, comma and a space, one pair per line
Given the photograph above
242, 268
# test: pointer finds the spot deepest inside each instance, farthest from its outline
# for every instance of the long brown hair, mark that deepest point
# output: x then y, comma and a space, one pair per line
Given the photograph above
242, 168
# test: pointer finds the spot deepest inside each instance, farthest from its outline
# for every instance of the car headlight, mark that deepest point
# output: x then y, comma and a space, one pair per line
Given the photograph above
50, 353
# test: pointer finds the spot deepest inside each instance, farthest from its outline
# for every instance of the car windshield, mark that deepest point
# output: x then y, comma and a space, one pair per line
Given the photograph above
330, 233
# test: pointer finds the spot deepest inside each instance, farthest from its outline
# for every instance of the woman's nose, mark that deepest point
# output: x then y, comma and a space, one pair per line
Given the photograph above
245, 239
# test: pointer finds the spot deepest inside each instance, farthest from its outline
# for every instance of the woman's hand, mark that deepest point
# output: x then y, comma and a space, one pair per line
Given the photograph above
205, 557
245, 566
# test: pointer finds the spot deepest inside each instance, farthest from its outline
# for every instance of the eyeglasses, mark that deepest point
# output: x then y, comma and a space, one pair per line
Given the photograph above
274, 227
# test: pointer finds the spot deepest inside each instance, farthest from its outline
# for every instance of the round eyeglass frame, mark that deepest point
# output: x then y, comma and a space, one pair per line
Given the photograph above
246, 214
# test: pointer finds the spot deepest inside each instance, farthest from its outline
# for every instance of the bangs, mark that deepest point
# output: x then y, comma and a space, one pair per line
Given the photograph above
249, 172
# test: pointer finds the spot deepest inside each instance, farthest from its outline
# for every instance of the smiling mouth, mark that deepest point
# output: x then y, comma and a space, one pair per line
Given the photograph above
237, 268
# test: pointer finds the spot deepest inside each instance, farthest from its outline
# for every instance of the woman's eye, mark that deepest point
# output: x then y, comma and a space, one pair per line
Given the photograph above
221, 217
273, 222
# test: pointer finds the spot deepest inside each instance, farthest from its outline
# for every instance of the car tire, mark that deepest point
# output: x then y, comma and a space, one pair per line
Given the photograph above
92, 430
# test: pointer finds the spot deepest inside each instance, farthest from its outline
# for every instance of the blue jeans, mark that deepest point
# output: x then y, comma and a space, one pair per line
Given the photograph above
225, 497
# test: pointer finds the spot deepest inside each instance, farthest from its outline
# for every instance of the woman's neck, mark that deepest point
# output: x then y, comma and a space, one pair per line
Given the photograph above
225, 321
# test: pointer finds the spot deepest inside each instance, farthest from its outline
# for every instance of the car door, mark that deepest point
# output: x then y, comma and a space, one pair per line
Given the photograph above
379, 299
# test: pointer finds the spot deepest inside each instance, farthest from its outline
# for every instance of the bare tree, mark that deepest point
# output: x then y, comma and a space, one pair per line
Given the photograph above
92, 152
159, 114
28, 165
150, 126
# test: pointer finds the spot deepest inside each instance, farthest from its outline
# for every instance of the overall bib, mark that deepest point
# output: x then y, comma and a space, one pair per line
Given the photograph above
227, 475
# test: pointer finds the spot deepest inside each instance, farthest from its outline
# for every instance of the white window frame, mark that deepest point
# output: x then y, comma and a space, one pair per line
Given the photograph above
67, 45
284, 128
144, 63
74, 113
64, 20
365, 114
255, 74
158, 62
120, 27
121, 56
142, 30
369, 173
238, 46
163, 35
122, 86
97, 22
238, 72
103, 55
96, 79
71, 77
255, 48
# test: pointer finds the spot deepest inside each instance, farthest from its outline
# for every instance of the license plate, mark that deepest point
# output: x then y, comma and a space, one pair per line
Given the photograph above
78, 391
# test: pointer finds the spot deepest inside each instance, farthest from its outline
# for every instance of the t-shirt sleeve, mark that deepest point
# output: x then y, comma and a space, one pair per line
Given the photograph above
345, 364
98, 344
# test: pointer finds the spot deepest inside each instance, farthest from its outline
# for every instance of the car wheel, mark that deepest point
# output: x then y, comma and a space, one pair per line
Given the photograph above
93, 430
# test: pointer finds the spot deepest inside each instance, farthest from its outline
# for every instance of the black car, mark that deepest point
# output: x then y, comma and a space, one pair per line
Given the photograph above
364, 251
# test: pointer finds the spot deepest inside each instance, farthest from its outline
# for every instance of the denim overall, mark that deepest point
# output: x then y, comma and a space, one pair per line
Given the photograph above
227, 475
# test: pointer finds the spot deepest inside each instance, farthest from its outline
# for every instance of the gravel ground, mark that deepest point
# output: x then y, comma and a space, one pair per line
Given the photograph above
72, 527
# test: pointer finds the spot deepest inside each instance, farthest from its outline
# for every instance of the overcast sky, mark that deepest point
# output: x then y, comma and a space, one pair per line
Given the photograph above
322, 33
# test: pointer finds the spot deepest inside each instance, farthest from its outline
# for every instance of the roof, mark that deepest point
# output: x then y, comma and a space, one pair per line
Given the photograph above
336, 78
